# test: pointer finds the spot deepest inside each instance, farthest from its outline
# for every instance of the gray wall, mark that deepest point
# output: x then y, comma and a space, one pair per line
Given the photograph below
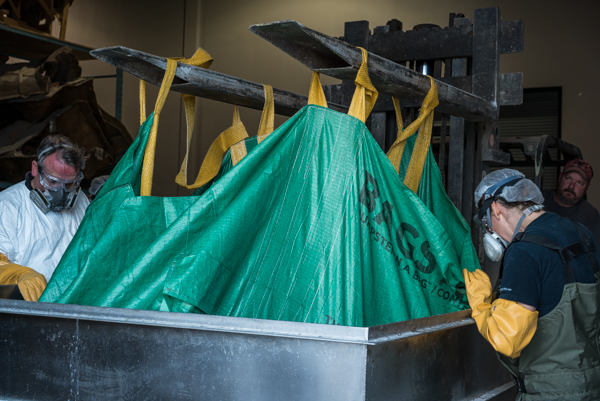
152, 27
560, 50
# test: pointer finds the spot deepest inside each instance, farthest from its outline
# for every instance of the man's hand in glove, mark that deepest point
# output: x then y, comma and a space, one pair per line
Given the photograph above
508, 326
31, 283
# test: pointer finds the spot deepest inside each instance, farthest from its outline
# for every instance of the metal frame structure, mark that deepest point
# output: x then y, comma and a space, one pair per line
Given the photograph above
535, 150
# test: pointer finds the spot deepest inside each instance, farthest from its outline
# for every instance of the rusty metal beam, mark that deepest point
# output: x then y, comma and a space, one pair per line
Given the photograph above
202, 82
340, 60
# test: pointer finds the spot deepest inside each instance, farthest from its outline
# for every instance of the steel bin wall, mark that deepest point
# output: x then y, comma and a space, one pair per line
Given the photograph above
54, 351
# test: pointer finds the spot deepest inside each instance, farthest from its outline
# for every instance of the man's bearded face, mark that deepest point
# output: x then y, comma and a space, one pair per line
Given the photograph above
572, 188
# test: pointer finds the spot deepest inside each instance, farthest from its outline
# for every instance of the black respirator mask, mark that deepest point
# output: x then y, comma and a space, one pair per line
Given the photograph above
58, 194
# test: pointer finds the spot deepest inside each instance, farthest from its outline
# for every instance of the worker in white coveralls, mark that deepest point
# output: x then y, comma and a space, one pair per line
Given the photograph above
39, 216
545, 322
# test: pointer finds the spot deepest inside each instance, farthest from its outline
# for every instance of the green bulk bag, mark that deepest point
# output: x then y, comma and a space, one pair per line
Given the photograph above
312, 225
416, 138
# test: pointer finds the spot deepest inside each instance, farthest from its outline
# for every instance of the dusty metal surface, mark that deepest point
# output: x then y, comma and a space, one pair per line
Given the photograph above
55, 351
338, 59
437, 43
202, 82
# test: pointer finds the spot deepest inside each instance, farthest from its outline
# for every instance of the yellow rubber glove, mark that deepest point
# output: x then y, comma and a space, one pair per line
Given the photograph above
31, 283
508, 326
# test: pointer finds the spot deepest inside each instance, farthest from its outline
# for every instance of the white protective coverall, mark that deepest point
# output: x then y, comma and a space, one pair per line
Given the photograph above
31, 238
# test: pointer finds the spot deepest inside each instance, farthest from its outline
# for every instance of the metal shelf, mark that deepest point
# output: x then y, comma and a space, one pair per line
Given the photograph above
34, 46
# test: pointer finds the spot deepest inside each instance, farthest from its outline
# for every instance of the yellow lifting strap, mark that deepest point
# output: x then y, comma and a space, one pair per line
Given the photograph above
212, 161
265, 128
142, 101
316, 95
200, 59
419, 154
365, 94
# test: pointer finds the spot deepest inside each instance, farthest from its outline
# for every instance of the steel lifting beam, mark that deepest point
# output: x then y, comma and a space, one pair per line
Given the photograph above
201, 82
338, 59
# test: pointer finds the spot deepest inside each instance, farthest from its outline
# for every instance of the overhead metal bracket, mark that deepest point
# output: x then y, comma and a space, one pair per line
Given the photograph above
338, 59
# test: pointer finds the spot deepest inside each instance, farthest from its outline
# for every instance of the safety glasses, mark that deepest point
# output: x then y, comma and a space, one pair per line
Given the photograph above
56, 184
483, 223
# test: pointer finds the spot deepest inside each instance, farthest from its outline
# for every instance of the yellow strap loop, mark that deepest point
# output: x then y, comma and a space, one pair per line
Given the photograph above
142, 101
419, 154
200, 59
265, 128
212, 161
189, 103
267, 120
365, 94
316, 95
149, 154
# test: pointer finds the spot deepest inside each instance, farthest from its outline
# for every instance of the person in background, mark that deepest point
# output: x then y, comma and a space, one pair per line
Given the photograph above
40, 215
544, 324
97, 184
569, 198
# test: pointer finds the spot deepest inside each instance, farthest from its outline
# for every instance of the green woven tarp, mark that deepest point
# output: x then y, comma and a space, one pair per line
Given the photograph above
432, 194
313, 225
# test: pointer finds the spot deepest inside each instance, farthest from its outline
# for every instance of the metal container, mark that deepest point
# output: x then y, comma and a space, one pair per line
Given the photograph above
71, 352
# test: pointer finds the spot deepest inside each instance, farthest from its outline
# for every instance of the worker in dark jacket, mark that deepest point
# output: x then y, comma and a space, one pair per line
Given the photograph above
545, 324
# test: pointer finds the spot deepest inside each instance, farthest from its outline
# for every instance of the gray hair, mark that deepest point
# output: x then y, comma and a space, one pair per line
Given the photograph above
66, 151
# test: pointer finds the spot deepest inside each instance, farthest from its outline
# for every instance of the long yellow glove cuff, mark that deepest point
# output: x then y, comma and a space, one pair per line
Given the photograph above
31, 283
508, 326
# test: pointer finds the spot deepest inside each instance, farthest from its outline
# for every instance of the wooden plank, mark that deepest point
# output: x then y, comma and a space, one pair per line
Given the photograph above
469, 163
486, 54
423, 44
449, 42
480, 169
456, 161
357, 33
456, 147
486, 77
442, 155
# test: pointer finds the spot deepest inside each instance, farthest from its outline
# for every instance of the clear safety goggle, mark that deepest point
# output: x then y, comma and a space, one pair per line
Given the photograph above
483, 223
52, 183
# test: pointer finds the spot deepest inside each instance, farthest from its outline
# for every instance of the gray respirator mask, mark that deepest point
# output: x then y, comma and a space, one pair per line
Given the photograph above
58, 194
494, 245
